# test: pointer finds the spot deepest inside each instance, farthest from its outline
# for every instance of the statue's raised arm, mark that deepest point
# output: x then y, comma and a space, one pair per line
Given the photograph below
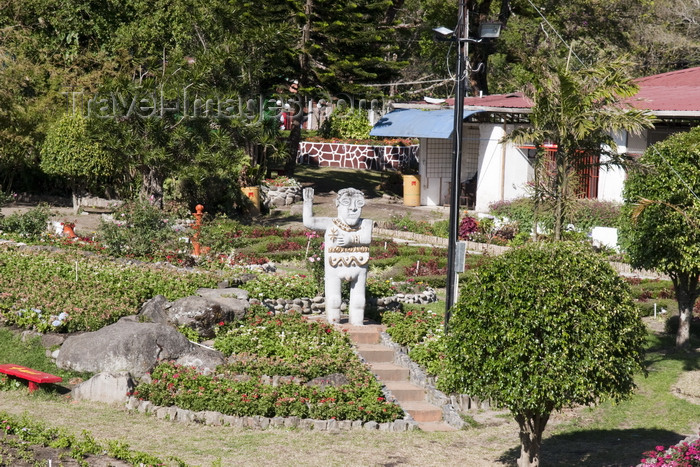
311, 222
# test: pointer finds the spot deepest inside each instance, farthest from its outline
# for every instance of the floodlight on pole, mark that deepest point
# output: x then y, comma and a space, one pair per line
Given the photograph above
460, 35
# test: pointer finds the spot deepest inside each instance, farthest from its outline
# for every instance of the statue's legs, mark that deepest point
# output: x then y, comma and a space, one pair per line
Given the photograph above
333, 298
357, 298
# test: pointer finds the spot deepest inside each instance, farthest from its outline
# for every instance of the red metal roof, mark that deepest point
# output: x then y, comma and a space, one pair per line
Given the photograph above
676, 93
515, 100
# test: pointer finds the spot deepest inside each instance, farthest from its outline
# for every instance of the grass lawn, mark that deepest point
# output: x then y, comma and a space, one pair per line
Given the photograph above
615, 432
609, 434
327, 179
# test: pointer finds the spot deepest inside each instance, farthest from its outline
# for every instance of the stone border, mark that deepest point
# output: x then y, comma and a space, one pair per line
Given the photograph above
258, 422
317, 305
276, 196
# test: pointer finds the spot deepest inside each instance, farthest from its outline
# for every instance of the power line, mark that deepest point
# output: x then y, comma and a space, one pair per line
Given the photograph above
556, 32
409, 82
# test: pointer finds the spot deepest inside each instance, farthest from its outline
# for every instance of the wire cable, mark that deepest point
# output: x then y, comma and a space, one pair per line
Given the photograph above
556, 32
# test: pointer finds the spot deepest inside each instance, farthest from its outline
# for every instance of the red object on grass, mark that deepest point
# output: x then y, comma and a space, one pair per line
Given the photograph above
34, 377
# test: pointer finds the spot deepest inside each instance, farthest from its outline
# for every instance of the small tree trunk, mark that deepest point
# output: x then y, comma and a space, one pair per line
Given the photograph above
77, 193
293, 146
686, 288
152, 187
531, 428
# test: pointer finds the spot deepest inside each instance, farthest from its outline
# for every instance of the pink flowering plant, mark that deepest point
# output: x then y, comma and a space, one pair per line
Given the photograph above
685, 454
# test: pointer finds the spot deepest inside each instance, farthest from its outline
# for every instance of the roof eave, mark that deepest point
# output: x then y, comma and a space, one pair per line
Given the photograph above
504, 110
676, 113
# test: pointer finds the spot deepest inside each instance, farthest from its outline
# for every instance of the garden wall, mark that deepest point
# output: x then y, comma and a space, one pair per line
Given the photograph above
356, 156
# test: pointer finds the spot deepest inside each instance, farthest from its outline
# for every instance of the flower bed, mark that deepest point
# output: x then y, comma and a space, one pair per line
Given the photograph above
684, 454
263, 350
67, 292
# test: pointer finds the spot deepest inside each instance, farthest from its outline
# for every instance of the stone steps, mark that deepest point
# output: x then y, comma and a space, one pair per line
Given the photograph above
422, 411
409, 396
389, 372
405, 391
364, 334
435, 426
376, 353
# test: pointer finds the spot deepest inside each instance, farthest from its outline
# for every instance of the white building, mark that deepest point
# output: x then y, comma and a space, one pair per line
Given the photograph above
493, 171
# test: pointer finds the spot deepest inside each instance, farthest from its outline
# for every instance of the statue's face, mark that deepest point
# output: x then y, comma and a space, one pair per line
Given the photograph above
350, 209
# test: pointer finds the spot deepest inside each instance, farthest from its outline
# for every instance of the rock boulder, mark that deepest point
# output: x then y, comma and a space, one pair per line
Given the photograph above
127, 345
201, 313
105, 387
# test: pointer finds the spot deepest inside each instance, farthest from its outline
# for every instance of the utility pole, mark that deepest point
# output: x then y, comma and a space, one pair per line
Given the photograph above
461, 31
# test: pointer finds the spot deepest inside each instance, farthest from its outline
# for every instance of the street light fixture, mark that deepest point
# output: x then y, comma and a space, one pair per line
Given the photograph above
487, 30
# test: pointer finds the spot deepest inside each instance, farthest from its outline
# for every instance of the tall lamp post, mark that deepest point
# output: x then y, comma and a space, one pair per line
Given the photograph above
460, 36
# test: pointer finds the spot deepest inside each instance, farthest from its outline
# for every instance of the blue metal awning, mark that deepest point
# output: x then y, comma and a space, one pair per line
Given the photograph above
414, 123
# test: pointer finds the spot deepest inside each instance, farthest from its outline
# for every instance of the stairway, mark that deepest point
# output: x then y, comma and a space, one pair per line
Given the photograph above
396, 378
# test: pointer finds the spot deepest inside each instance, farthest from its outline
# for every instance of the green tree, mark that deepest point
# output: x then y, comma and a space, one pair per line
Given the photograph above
663, 213
578, 112
543, 327
70, 151
347, 124
341, 47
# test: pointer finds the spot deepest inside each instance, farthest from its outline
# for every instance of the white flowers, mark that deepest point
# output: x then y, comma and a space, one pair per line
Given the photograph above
59, 321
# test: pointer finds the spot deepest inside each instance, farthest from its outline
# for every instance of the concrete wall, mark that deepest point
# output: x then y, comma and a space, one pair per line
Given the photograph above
611, 180
504, 169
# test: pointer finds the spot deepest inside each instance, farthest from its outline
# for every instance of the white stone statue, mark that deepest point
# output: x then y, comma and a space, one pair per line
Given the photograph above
346, 251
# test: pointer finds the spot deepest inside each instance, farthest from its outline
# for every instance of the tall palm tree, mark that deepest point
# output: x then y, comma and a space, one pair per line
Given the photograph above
576, 112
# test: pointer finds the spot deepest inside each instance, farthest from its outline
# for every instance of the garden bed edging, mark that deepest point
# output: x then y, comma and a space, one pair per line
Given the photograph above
258, 422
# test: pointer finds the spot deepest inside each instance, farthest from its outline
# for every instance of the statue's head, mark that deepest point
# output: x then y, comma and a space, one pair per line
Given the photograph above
349, 203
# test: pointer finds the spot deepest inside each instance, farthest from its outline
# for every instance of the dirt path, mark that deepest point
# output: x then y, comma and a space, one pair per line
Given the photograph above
380, 209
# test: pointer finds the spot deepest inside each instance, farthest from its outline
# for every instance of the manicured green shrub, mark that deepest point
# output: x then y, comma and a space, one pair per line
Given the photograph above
31, 224
543, 327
